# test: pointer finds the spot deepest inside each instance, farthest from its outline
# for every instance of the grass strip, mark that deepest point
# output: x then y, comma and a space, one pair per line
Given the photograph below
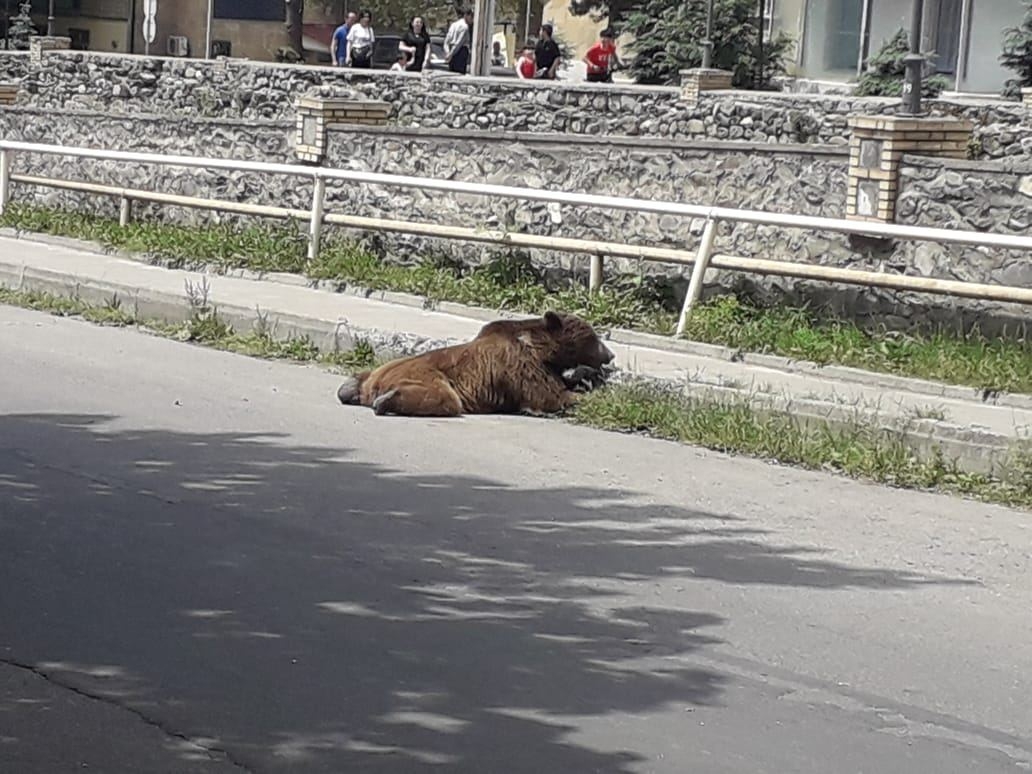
858, 451
204, 327
509, 283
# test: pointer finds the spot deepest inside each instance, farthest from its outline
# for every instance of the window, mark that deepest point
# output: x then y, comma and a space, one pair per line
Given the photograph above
768, 19
832, 40
80, 39
255, 10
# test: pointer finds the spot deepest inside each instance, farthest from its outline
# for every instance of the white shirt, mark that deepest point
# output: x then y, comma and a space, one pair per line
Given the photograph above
360, 36
458, 35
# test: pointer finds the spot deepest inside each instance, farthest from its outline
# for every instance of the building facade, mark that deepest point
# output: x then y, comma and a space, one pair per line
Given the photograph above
252, 29
834, 37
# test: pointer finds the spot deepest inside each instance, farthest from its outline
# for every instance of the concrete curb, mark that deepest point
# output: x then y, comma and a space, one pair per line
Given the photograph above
974, 450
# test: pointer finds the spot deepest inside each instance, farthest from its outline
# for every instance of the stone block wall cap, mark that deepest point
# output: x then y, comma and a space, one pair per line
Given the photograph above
707, 71
1026, 89
342, 103
911, 123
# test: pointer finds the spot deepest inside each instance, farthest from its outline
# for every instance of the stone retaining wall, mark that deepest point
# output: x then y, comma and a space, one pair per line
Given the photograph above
254, 140
975, 196
242, 89
802, 179
13, 65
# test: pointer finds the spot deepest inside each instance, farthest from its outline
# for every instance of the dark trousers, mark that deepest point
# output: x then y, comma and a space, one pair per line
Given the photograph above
460, 60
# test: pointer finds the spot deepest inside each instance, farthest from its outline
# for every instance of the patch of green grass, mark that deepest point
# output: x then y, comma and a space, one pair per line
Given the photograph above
510, 283
110, 313
204, 327
989, 364
859, 451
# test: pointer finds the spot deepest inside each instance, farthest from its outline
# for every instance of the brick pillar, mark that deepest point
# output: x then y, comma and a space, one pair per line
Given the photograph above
39, 44
698, 80
8, 92
875, 148
1026, 97
315, 114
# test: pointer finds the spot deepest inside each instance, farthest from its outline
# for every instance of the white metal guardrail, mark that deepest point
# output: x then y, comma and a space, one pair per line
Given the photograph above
701, 259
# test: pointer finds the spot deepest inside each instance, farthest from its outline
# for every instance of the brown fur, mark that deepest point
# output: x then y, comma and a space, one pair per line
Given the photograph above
511, 366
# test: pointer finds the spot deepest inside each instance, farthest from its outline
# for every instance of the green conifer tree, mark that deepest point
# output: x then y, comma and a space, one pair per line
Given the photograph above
668, 38
884, 74
1017, 54
21, 27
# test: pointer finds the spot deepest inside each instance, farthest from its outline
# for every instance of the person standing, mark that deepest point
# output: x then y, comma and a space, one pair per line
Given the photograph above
498, 58
601, 57
546, 54
416, 43
458, 41
360, 42
339, 44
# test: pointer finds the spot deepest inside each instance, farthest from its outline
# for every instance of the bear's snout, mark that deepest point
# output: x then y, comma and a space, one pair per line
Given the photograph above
607, 354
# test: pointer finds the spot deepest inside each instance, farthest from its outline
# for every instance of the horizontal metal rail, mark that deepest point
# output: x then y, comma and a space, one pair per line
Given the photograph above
810, 222
701, 260
417, 228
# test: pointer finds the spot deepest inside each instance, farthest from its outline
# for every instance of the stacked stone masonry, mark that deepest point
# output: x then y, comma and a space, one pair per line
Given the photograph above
14, 65
975, 196
228, 88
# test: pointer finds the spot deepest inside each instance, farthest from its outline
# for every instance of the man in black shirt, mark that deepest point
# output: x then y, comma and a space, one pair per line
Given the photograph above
546, 54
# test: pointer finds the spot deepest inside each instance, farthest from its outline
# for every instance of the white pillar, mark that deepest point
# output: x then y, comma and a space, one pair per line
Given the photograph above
208, 29
483, 26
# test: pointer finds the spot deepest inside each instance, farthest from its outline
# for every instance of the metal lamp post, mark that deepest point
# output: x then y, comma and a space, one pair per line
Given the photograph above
914, 63
50, 19
707, 42
209, 24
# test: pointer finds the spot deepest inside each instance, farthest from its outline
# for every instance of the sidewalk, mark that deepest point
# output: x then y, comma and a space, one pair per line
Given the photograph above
974, 431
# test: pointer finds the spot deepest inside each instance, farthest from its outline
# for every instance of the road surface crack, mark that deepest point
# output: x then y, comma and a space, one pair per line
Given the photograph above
213, 752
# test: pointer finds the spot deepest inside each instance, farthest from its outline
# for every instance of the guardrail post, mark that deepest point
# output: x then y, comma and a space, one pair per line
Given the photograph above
702, 259
125, 211
6, 157
595, 278
315, 226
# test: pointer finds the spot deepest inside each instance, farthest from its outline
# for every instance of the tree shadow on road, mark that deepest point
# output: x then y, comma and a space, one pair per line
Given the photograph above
300, 608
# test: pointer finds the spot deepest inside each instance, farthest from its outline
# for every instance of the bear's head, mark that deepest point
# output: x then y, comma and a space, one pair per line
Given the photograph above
569, 342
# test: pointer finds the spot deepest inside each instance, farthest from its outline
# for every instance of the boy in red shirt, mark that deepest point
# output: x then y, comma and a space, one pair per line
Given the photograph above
601, 57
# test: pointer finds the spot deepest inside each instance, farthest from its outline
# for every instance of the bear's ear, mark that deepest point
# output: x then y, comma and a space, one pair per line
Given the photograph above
553, 322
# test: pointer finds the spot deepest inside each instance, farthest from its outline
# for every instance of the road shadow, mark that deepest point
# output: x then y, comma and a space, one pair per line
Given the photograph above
303, 609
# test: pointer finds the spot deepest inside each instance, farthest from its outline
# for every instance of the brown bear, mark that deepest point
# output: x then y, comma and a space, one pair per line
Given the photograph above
511, 366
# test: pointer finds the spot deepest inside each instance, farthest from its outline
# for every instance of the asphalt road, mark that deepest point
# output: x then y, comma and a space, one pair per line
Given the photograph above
207, 564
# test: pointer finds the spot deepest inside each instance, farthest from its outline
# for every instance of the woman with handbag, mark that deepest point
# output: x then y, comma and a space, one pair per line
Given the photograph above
360, 42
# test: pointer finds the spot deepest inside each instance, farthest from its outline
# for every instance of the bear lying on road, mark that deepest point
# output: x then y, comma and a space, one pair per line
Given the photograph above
511, 366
